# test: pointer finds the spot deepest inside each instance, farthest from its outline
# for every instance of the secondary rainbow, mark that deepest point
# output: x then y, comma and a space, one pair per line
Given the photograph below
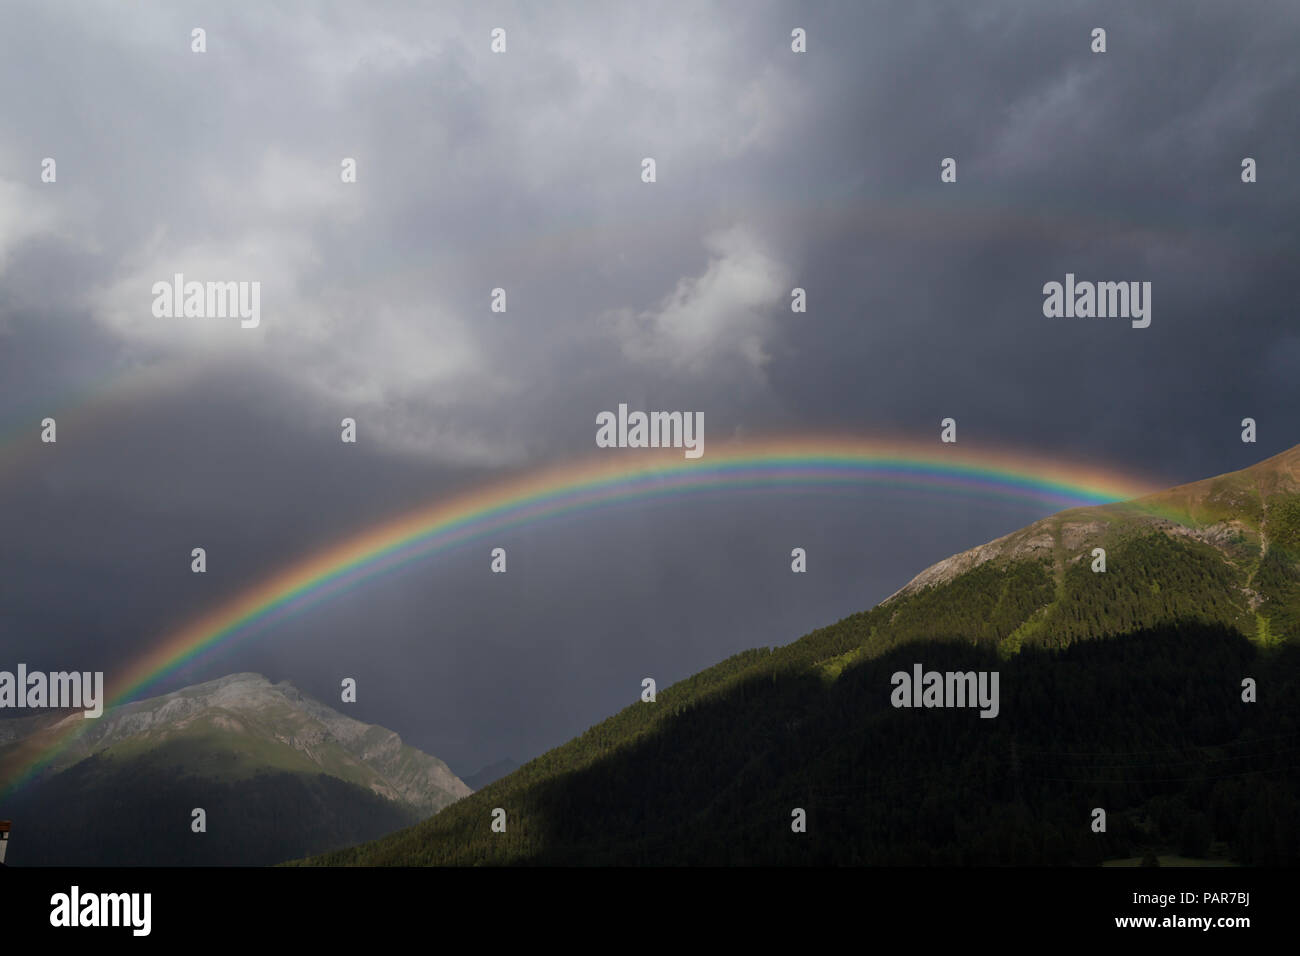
615, 477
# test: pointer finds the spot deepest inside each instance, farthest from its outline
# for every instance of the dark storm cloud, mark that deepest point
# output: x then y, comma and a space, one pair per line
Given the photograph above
522, 171
1116, 166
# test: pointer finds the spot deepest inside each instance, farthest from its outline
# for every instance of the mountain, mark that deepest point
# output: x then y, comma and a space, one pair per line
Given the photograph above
277, 773
1237, 535
1123, 690
493, 771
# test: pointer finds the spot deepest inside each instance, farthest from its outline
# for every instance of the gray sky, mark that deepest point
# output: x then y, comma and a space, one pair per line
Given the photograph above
522, 170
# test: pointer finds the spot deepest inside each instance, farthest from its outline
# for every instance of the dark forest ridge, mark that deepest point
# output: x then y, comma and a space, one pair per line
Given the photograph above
1197, 588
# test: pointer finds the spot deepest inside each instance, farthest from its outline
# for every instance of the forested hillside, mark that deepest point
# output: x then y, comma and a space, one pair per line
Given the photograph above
1121, 689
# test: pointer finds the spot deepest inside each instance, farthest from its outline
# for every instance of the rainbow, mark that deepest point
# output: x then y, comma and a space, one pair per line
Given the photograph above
615, 477
108, 393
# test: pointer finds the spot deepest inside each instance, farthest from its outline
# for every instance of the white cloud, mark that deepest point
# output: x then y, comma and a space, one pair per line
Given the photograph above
473, 170
386, 351
24, 215
726, 311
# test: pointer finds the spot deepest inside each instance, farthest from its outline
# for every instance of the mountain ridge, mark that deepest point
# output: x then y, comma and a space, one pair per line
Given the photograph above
1210, 564
297, 775
492, 772
248, 702
1207, 497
